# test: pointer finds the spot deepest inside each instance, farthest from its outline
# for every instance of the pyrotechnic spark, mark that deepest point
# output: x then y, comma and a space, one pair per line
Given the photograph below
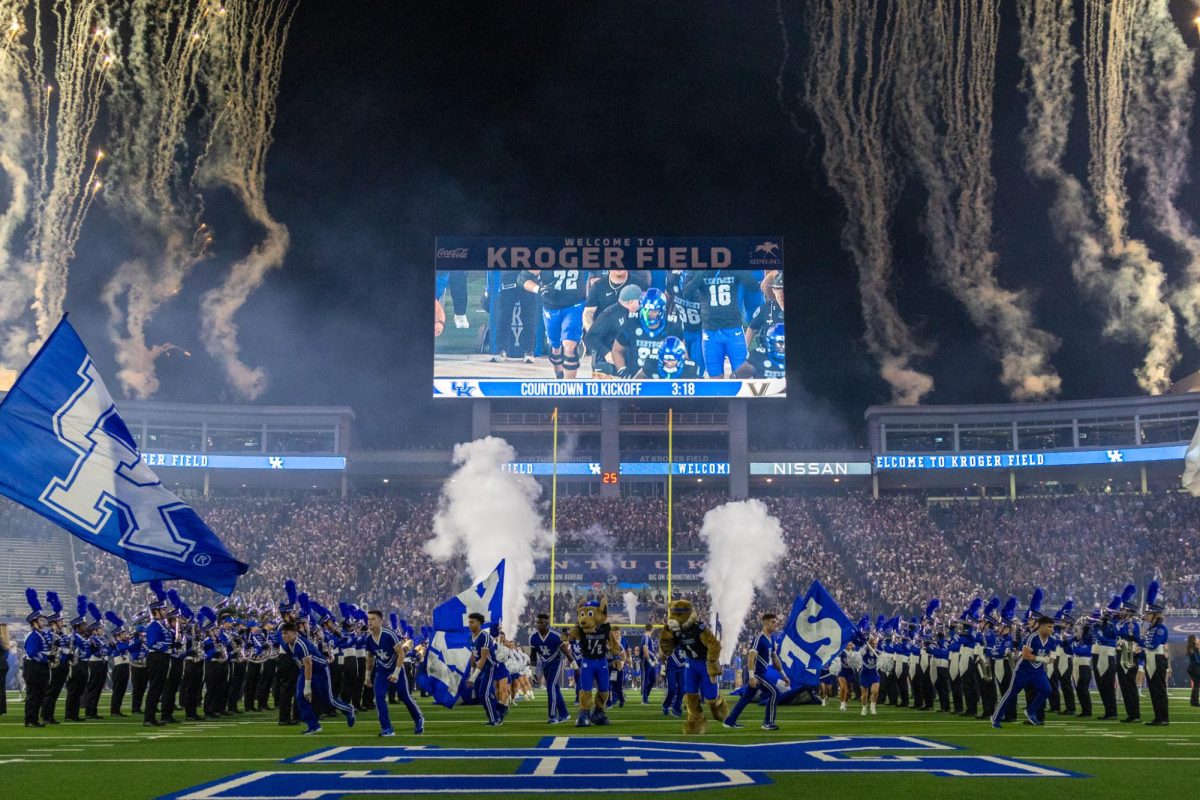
849, 78
44, 144
944, 89
250, 58
156, 103
1137, 308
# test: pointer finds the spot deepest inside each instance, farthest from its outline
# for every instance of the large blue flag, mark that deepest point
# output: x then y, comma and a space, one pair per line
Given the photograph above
817, 631
66, 454
448, 658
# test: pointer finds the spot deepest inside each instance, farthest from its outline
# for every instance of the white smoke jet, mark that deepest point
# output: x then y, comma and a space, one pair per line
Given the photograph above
487, 514
945, 86
744, 541
849, 78
631, 603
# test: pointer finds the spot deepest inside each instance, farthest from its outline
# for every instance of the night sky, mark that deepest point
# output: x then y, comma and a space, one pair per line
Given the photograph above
398, 122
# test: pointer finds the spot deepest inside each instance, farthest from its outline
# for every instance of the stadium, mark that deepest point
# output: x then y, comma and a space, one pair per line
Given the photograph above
263, 536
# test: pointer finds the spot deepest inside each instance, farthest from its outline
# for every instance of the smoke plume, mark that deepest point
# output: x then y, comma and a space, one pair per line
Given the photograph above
631, 604
945, 87
744, 541
849, 77
487, 514
250, 59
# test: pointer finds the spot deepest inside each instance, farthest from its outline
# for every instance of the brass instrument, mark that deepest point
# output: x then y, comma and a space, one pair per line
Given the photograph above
1126, 655
984, 665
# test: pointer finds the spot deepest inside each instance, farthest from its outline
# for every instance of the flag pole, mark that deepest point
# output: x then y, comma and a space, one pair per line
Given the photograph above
553, 515
670, 505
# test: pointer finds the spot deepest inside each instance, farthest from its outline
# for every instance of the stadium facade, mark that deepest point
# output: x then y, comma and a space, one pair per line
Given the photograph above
611, 447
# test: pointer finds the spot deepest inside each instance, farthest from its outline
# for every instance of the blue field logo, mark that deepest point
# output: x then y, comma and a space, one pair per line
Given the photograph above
568, 764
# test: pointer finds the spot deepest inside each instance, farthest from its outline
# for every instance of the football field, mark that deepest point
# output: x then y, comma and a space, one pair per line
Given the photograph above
817, 751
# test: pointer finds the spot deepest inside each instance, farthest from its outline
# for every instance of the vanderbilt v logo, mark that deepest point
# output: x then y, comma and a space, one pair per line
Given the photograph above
758, 389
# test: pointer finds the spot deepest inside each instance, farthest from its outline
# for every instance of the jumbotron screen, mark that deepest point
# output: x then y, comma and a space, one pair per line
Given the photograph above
605, 316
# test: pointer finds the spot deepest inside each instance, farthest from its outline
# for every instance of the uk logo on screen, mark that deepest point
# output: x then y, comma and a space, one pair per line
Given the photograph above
609, 764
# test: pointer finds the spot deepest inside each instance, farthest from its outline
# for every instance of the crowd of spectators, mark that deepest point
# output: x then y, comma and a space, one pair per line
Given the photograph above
887, 555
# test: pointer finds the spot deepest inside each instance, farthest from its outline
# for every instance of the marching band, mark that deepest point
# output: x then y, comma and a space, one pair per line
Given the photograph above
232, 659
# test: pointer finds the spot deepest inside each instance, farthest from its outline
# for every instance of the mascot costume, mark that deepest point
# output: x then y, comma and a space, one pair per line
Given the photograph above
701, 650
596, 640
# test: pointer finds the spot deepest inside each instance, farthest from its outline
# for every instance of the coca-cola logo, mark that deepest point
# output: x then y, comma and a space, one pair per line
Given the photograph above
457, 252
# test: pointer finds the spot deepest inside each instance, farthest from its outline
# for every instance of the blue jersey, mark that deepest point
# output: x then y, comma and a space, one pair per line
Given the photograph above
762, 650
1042, 649
649, 647
546, 649
483, 641
302, 648
384, 650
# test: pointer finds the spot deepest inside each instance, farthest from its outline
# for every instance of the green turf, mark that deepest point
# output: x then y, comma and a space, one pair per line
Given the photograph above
119, 758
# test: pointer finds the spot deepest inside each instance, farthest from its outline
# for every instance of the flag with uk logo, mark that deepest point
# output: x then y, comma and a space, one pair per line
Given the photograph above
448, 659
817, 631
66, 454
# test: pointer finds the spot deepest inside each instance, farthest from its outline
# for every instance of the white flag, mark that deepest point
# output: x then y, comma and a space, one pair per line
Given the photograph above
1191, 465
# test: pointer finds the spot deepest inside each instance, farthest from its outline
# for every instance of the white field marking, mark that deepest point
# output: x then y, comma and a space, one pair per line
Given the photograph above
547, 766
232, 784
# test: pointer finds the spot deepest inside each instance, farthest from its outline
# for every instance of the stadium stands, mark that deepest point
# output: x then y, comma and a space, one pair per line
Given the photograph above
882, 555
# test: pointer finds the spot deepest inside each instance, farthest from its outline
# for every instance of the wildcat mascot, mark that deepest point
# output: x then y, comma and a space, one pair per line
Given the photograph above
701, 651
596, 640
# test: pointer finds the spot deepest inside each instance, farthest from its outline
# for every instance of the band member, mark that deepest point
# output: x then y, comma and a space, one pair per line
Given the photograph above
59, 657
1104, 657
36, 667
1153, 645
159, 639
120, 668
1129, 635
1081, 676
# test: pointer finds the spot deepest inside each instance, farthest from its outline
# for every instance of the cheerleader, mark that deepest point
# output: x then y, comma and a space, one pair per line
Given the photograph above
868, 675
845, 675
501, 674
516, 661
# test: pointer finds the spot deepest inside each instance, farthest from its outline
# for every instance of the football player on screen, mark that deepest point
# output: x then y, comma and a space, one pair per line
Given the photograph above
562, 292
670, 363
768, 360
720, 293
686, 311
638, 342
